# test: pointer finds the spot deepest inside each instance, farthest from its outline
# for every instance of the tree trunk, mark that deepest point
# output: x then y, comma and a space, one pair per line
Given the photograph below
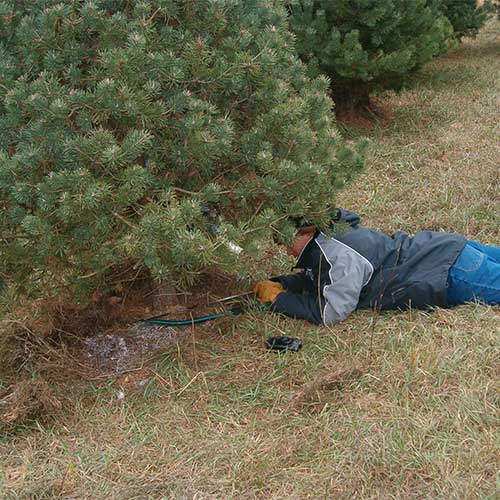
163, 295
352, 99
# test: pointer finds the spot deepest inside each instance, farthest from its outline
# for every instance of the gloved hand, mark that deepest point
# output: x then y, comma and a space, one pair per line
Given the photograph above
267, 291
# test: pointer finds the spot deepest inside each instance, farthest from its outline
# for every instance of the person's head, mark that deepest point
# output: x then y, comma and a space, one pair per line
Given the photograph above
303, 236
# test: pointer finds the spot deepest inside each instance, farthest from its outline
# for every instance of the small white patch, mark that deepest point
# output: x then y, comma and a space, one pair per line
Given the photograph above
234, 248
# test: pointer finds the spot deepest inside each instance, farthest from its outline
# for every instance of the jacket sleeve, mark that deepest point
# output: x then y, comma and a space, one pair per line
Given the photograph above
299, 306
343, 297
347, 217
349, 273
292, 282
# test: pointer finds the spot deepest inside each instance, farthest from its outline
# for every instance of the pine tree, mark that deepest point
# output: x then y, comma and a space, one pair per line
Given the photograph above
466, 16
128, 130
363, 45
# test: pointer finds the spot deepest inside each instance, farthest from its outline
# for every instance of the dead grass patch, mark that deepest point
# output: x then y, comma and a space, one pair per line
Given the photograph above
312, 393
27, 400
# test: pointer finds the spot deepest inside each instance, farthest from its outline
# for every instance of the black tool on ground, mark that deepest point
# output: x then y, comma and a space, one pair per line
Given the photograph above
283, 343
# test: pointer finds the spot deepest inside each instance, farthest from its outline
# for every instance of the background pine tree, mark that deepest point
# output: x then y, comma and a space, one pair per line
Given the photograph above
466, 16
364, 44
119, 120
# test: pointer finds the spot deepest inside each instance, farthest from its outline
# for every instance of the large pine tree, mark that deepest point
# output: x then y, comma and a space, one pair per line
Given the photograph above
363, 45
129, 129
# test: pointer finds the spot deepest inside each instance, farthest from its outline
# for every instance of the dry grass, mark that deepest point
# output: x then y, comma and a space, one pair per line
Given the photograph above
26, 399
390, 406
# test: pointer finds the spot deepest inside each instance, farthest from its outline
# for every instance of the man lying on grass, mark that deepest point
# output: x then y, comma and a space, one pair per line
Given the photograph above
362, 268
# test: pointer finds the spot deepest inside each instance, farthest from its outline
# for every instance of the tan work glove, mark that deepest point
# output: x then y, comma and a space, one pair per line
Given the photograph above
267, 291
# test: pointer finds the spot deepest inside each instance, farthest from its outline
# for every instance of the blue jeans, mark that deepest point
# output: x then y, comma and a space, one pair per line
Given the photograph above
475, 276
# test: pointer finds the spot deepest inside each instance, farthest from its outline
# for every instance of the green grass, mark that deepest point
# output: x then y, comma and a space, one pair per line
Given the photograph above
383, 406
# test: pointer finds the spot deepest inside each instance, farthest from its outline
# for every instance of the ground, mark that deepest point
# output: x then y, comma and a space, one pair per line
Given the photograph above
398, 405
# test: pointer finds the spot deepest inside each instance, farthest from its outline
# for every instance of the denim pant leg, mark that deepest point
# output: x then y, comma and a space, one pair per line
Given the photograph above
475, 276
493, 252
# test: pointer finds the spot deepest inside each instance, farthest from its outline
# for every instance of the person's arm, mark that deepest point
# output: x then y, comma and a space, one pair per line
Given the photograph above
342, 297
299, 306
291, 282
347, 217
347, 277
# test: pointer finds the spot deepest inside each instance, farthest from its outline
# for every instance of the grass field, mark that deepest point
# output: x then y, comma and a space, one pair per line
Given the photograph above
384, 406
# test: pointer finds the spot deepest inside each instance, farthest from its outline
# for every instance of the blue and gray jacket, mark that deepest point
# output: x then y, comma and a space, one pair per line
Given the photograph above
363, 268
